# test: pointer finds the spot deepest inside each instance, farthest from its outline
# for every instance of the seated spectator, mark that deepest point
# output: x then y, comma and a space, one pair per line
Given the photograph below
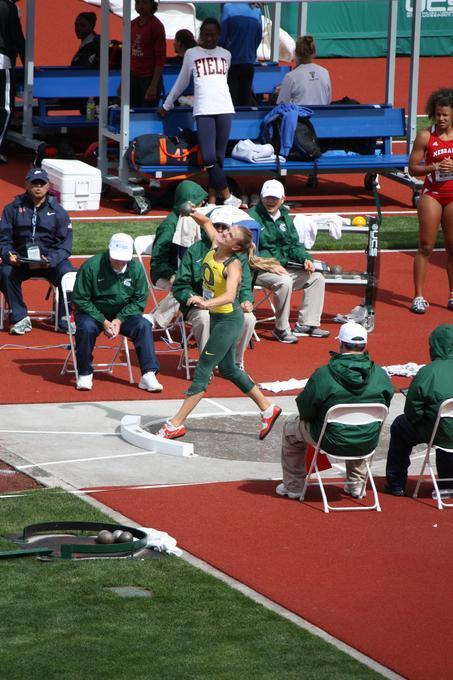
35, 241
189, 282
148, 51
164, 256
350, 377
432, 385
110, 295
88, 54
296, 271
183, 41
241, 34
309, 83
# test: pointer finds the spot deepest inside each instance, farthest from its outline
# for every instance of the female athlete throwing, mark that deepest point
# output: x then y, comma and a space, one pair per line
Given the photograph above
432, 158
222, 273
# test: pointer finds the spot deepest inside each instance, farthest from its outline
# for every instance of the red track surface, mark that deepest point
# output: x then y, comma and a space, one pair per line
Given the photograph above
32, 376
381, 582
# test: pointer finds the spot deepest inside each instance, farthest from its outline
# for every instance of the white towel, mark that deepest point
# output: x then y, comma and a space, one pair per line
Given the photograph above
410, 369
307, 229
248, 151
284, 385
162, 542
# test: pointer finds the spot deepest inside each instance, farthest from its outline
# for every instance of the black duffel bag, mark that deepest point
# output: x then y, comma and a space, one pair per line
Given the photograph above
159, 150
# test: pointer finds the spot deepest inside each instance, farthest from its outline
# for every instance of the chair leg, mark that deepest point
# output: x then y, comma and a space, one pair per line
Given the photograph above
422, 472
128, 359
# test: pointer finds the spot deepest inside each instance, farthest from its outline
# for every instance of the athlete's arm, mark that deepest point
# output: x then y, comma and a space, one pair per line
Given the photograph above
417, 166
233, 273
207, 225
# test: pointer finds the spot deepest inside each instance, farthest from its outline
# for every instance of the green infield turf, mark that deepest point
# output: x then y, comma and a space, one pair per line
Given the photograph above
397, 232
59, 620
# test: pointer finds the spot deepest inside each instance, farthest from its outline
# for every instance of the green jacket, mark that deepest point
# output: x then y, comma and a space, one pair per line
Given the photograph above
279, 239
347, 379
102, 294
431, 386
188, 280
164, 255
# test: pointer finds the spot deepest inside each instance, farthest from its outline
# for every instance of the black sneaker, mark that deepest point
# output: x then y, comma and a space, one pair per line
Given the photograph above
393, 491
302, 330
443, 493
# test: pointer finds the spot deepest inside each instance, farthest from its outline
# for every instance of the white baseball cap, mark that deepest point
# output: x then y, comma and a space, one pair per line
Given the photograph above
353, 333
273, 188
222, 216
121, 247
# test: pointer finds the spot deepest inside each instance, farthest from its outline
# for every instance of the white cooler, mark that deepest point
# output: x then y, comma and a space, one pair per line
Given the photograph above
76, 185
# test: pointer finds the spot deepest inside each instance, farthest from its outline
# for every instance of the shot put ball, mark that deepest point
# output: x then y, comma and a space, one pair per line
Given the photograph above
359, 221
105, 537
186, 208
336, 269
125, 537
116, 535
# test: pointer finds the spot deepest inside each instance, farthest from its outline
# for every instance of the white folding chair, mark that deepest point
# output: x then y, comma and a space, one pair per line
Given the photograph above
266, 297
356, 415
143, 245
67, 286
38, 314
445, 411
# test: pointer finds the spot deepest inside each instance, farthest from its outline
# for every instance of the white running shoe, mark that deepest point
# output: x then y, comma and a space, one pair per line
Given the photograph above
281, 490
85, 382
150, 382
21, 327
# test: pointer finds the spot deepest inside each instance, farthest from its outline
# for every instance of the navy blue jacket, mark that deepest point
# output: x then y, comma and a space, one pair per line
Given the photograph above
53, 229
241, 31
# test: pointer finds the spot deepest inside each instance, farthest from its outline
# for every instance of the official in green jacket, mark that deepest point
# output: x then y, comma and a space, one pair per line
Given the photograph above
350, 377
164, 255
279, 239
432, 385
188, 282
110, 295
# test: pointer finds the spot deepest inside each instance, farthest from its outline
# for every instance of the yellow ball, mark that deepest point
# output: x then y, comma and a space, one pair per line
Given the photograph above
359, 221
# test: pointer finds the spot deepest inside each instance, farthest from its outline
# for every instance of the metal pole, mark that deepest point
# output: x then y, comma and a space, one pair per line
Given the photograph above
125, 90
27, 122
391, 52
276, 21
103, 87
414, 72
303, 18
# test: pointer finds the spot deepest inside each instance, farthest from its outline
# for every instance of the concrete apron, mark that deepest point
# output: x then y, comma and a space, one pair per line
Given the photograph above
79, 444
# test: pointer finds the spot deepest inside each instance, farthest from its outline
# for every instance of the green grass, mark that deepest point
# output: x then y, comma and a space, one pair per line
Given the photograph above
59, 621
396, 232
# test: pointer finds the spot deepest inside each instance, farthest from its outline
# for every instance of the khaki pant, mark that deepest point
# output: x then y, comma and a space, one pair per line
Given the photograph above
294, 445
313, 286
199, 318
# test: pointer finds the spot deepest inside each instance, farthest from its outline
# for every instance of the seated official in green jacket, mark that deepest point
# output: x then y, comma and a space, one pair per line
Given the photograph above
279, 239
189, 282
432, 385
164, 255
350, 377
110, 295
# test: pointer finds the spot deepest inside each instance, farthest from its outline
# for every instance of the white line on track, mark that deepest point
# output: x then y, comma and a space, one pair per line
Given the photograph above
101, 434
225, 409
83, 460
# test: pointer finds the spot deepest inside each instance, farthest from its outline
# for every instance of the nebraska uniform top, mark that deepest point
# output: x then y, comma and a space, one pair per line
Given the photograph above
209, 69
436, 151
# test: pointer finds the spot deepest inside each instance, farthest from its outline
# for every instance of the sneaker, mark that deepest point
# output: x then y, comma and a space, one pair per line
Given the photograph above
281, 490
394, 491
233, 200
21, 327
63, 327
354, 490
169, 431
450, 304
419, 305
443, 493
267, 423
85, 382
3, 158
284, 335
312, 331
150, 382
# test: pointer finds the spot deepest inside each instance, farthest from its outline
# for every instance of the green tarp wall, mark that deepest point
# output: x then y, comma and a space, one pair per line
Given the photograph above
359, 29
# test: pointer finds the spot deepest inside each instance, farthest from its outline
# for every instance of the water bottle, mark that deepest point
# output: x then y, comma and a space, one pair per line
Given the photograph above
91, 109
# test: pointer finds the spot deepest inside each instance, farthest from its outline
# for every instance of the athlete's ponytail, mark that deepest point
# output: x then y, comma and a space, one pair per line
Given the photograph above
247, 246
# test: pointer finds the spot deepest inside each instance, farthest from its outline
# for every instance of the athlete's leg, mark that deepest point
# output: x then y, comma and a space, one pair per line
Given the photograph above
429, 216
447, 228
213, 134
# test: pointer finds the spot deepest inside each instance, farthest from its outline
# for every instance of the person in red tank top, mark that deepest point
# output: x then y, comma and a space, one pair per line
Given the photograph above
432, 158
148, 53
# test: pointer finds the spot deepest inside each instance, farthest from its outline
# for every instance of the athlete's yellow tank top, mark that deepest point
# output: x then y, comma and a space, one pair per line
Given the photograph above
214, 282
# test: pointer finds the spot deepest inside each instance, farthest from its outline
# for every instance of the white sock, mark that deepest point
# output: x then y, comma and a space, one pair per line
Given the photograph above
170, 425
268, 412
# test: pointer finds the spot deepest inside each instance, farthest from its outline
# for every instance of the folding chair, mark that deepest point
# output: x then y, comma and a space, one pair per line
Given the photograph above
265, 298
38, 314
67, 286
445, 411
143, 245
347, 414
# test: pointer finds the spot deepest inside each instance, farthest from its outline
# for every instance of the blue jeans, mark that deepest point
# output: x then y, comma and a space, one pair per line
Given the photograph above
403, 437
136, 327
11, 284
